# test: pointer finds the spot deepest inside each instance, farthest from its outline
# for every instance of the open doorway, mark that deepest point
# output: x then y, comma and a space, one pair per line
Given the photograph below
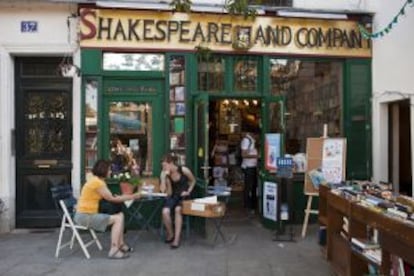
229, 119
400, 147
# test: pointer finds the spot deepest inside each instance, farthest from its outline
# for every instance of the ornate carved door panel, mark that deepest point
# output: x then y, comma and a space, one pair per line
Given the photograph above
43, 139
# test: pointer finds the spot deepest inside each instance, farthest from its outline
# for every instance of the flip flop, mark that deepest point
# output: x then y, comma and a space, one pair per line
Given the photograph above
125, 248
116, 256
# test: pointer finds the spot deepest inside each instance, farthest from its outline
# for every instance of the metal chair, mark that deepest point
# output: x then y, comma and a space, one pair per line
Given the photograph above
66, 203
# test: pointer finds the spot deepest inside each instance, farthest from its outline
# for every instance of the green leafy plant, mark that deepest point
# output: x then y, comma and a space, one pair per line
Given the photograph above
181, 5
240, 7
127, 177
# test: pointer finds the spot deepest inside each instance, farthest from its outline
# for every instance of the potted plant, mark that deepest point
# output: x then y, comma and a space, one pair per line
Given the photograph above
127, 183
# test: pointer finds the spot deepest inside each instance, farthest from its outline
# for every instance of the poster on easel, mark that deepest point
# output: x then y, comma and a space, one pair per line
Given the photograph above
332, 160
270, 200
272, 151
325, 158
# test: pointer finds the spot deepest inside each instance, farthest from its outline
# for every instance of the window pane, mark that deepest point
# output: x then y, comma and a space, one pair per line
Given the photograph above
211, 74
245, 74
133, 62
313, 98
131, 133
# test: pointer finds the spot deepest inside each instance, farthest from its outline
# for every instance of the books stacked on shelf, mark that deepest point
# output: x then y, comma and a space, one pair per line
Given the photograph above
371, 250
394, 212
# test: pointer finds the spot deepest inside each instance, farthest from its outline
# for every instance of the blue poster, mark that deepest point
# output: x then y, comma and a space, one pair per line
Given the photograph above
272, 151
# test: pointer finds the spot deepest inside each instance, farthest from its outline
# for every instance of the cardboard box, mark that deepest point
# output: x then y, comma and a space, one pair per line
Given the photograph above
206, 210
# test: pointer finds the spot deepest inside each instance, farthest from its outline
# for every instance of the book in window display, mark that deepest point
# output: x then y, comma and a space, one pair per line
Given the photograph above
179, 108
172, 94
177, 141
180, 93
172, 109
175, 78
178, 125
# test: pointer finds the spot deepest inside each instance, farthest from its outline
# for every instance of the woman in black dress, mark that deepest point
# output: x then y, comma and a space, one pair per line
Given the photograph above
178, 183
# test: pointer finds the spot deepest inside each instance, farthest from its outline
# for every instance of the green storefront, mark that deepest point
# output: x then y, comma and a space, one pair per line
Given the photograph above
160, 82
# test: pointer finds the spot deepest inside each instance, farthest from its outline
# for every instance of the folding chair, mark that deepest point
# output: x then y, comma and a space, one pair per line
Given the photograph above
67, 204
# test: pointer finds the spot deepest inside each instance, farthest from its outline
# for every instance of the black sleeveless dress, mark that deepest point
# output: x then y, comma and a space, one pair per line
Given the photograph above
177, 187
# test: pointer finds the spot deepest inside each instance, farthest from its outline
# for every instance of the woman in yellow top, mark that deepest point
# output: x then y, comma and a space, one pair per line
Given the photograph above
87, 213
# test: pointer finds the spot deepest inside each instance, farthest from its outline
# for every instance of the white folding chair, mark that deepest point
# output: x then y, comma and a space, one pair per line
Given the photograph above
67, 222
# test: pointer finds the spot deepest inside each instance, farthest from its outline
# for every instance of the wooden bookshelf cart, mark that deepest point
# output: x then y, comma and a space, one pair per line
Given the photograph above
395, 236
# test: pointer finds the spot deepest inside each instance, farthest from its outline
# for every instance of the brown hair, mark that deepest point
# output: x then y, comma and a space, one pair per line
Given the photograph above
169, 158
101, 168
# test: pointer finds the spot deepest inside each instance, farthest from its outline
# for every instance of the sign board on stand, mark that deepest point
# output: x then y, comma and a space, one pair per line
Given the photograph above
329, 156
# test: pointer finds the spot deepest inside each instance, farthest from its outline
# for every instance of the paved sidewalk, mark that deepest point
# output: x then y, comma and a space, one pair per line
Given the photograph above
253, 252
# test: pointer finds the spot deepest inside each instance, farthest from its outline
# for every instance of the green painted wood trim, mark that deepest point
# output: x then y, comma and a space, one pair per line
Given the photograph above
91, 61
357, 117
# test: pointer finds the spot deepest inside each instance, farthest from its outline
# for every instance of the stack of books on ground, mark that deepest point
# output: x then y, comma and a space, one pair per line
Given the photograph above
371, 250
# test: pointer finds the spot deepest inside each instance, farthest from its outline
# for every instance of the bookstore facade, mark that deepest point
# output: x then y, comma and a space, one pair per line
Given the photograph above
175, 82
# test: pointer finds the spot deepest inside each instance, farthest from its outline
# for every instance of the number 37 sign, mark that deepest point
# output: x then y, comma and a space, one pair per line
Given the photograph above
28, 26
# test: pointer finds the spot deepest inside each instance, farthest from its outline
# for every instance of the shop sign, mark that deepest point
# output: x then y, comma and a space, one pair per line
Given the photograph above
284, 167
134, 29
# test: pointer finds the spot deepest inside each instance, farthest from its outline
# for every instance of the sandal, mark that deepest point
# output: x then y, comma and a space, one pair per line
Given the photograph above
118, 255
173, 246
125, 248
170, 240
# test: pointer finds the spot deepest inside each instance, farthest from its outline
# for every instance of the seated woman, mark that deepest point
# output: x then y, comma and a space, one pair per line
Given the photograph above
178, 182
87, 213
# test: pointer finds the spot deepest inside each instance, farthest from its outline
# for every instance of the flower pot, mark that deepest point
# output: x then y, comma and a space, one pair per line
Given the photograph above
126, 188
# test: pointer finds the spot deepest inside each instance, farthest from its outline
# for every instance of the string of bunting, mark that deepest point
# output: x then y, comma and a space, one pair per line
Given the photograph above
367, 35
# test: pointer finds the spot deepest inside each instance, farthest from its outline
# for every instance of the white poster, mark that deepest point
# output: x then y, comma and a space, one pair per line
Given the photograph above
270, 201
332, 159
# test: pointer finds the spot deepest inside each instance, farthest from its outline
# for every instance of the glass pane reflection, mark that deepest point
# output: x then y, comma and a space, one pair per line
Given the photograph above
131, 136
133, 62
245, 75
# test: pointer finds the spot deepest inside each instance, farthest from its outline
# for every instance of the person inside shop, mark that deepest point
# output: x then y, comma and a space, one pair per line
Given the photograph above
87, 214
249, 156
178, 183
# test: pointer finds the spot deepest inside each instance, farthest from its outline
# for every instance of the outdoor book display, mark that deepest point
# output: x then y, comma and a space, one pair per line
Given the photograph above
368, 230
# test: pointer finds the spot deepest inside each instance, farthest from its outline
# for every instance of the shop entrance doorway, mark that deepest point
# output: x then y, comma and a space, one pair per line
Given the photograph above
229, 118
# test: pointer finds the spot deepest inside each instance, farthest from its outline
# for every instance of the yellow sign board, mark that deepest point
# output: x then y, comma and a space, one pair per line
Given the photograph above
145, 30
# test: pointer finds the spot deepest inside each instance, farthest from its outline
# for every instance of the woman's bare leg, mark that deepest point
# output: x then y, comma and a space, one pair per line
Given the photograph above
178, 225
166, 219
117, 222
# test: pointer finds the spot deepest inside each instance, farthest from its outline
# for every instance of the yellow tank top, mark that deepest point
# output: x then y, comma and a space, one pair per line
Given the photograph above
89, 199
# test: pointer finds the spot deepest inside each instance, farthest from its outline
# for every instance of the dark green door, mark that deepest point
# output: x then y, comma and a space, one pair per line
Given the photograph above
43, 139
